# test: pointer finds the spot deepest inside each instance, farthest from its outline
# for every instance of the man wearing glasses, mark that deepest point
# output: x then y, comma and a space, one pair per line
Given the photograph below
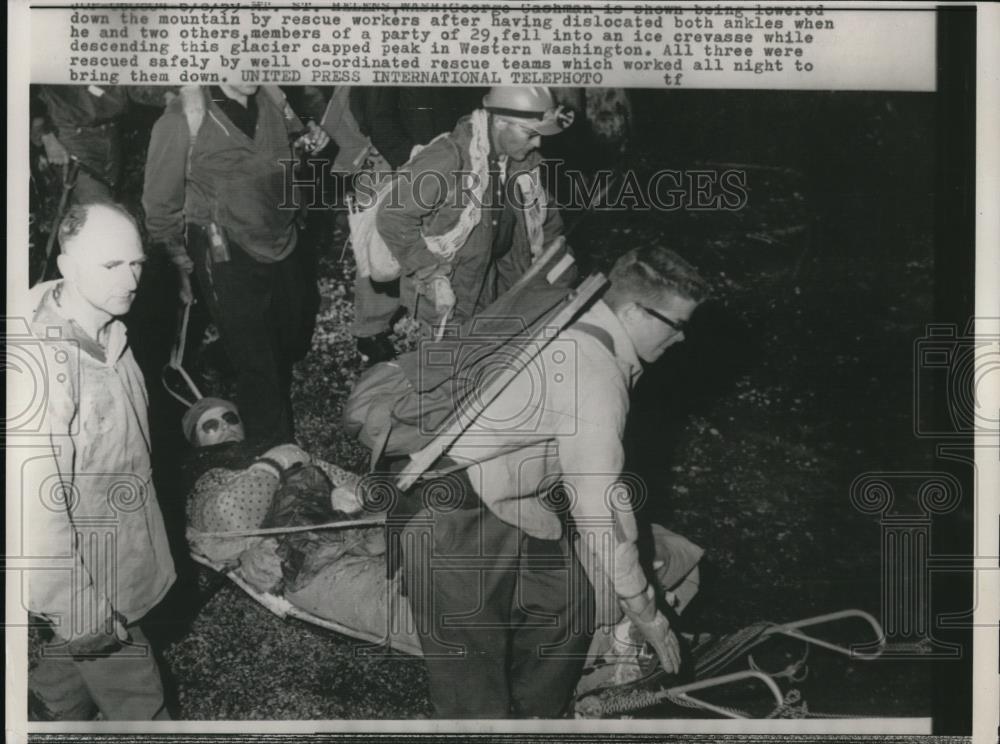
468, 214
535, 546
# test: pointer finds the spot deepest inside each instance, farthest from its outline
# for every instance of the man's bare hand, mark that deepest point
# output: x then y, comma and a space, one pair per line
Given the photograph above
185, 266
186, 293
55, 151
314, 140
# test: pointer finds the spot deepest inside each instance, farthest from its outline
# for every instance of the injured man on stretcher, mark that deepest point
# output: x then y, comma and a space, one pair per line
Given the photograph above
307, 538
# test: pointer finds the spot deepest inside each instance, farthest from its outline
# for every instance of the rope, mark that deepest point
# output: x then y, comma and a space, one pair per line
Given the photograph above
623, 699
797, 671
721, 653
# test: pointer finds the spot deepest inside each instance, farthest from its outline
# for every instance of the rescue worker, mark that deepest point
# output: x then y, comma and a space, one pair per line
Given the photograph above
94, 485
83, 121
469, 213
396, 119
218, 191
512, 561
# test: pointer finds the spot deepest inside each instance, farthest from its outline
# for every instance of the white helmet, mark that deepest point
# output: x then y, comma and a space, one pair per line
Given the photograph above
533, 106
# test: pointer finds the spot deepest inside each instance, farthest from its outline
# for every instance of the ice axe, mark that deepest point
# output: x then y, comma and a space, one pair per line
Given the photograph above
176, 361
197, 401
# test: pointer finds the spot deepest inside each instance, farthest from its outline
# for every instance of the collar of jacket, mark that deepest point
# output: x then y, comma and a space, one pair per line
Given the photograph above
602, 316
50, 324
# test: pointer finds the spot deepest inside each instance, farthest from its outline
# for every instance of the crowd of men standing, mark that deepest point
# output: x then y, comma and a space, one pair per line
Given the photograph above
216, 199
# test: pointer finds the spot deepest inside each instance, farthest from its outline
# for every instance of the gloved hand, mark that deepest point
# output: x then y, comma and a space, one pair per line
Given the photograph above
345, 500
655, 628
434, 284
442, 295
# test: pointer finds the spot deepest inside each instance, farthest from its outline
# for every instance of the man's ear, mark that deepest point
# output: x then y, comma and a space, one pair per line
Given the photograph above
628, 311
65, 263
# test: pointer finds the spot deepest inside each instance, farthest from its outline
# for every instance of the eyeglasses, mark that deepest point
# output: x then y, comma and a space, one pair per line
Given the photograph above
677, 325
213, 423
528, 131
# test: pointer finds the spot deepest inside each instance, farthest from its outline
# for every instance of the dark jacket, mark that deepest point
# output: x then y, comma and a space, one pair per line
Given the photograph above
244, 185
480, 271
85, 118
396, 118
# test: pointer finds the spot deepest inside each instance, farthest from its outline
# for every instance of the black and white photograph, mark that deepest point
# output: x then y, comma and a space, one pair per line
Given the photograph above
564, 370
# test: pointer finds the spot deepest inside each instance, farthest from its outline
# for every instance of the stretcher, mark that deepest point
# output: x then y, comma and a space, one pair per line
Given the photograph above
356, 599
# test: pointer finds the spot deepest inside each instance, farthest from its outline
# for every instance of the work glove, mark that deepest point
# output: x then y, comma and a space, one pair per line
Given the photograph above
436, 287
441, 294
346, 500
655, 629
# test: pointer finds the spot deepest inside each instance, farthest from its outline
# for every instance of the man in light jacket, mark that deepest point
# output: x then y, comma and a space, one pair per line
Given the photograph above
93, 522
512, 562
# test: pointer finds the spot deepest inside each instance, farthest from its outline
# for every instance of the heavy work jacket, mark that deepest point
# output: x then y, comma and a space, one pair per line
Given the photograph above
245, 185
428, 199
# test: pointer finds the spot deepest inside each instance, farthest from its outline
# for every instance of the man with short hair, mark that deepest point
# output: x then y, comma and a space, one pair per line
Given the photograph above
504, 608
469, 213
95, 514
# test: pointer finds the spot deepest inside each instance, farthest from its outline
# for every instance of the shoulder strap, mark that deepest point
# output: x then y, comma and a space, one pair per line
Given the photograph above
596, 332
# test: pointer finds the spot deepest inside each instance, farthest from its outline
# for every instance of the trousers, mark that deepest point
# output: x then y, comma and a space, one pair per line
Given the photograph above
504, 619
260, 310
375, 306
123, 686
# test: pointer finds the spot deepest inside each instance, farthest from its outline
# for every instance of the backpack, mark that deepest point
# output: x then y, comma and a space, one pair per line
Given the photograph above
398, 408
371, 255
